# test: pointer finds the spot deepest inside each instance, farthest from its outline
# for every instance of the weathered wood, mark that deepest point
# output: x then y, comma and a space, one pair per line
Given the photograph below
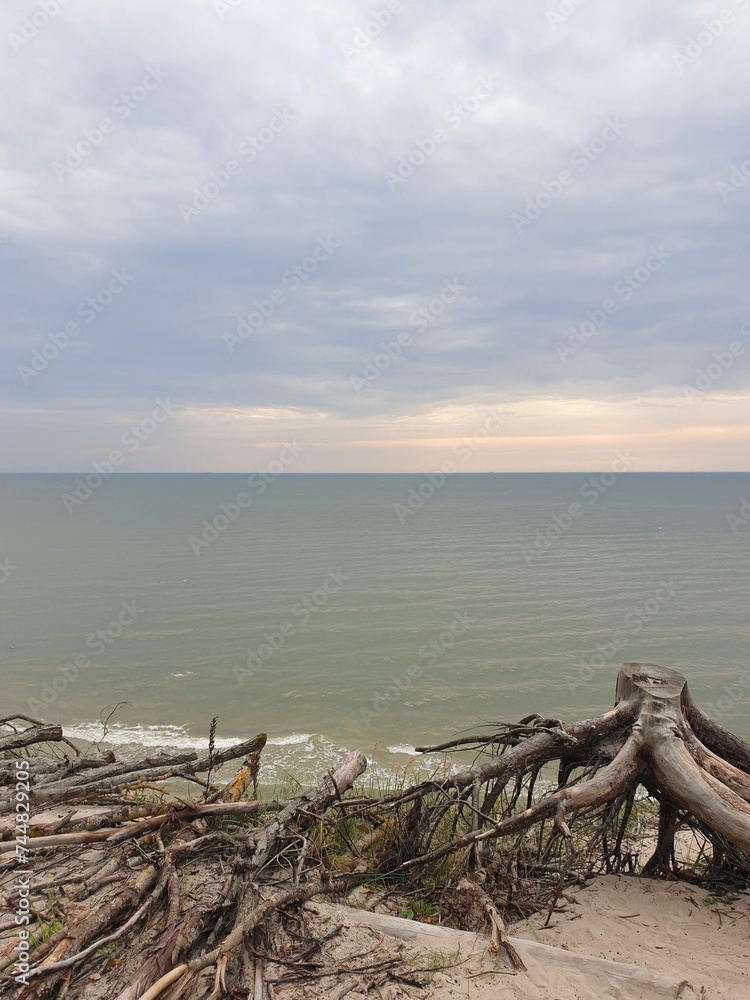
540, 748
300, 813
305, 808
655, 736
721, 769
661, 729
606, 785
90, 784
498, 937
33, 734
448, 941
659, 749
180, 933
72, 941
116, 835
714, 736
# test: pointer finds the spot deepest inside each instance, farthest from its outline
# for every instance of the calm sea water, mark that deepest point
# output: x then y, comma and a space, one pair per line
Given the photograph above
341, 611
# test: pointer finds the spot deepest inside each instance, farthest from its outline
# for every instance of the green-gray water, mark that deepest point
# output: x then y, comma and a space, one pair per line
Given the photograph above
341, 611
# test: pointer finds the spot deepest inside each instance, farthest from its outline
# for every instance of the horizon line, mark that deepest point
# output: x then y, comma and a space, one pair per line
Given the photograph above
416, 472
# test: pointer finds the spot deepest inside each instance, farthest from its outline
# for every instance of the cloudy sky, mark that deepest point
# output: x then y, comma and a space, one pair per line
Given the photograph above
372, 228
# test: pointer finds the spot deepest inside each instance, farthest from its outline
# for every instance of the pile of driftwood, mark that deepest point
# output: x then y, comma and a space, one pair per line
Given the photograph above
118, 884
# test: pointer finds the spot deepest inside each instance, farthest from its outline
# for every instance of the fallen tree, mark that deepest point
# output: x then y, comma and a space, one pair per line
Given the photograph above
162, 895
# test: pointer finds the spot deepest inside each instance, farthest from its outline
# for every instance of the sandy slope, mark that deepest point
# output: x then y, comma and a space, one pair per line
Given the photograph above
678, 929
672, 928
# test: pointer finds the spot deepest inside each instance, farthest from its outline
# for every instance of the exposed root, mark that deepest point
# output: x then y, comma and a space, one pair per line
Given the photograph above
203, 885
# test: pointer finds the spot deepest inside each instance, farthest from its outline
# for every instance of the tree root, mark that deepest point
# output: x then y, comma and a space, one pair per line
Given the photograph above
228, 869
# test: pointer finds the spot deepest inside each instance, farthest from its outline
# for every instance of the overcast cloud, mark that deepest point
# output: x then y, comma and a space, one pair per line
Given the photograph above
234, 205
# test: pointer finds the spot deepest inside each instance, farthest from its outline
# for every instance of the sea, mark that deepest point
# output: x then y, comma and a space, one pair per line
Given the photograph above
378, 612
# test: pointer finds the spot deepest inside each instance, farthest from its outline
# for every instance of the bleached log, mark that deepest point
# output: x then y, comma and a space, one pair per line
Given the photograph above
431, 937
156, 768
116, 835
31, 735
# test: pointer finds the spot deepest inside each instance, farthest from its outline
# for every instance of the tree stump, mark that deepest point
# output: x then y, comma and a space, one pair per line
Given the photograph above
689, 761
177, 909
655, 736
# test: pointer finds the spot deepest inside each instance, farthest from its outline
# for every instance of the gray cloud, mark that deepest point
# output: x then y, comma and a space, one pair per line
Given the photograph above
215, 84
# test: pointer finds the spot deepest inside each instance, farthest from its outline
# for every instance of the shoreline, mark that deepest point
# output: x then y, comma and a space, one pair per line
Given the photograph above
494, 845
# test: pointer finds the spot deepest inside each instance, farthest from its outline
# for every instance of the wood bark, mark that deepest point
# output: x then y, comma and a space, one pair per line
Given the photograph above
651, 723
251, 911
34, 734
142, 864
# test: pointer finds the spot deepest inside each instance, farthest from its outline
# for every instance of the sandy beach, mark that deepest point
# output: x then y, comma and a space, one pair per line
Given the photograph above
669, 928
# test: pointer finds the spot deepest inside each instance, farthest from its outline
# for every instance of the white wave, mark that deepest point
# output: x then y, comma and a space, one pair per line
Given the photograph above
303, 756
119, 734
167, 737
284, 741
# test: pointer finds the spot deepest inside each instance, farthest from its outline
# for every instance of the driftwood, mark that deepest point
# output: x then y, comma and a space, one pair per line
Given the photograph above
27, 737
168, 896
118, 834
141, 887
447, 940
93, 785
498, 938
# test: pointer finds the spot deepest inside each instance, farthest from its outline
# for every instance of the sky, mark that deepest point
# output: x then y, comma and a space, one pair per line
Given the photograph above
374, 237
